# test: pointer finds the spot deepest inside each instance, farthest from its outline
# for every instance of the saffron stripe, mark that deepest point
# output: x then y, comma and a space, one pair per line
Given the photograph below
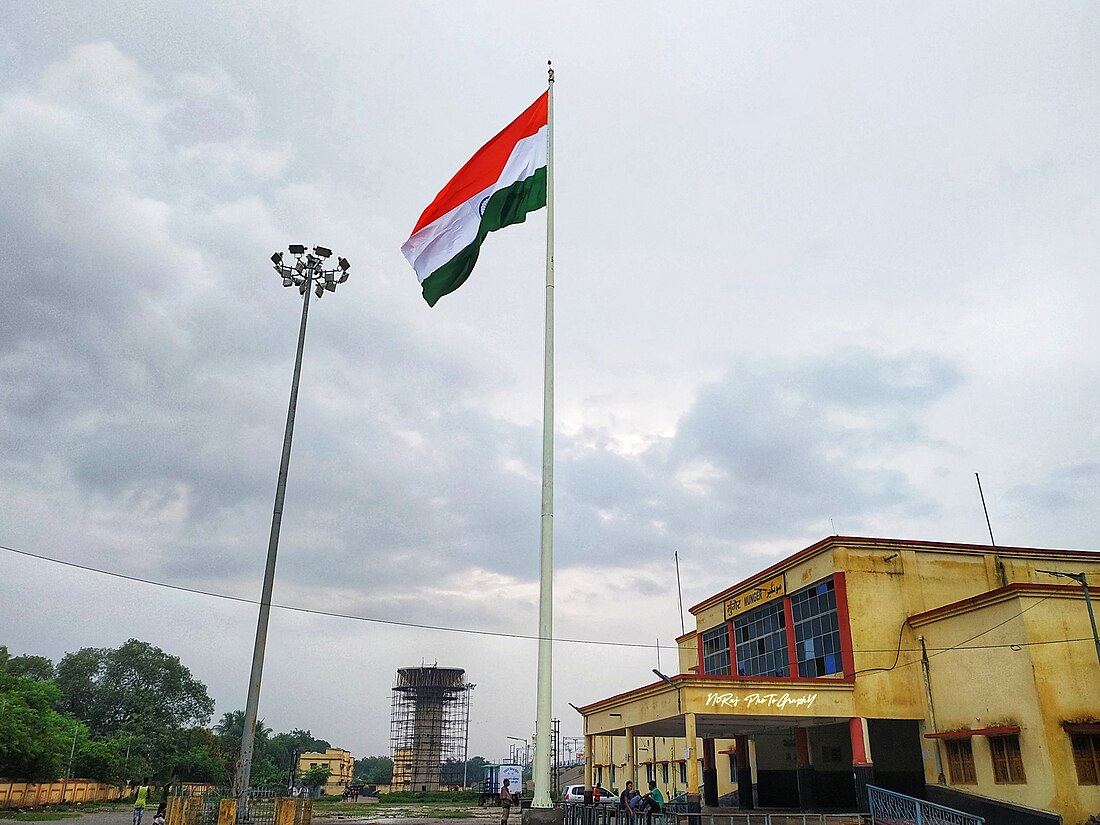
485, 167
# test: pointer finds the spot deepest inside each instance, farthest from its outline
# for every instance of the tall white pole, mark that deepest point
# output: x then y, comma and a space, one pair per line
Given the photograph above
541, 797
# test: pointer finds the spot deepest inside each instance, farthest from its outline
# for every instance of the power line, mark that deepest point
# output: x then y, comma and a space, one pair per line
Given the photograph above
501, 634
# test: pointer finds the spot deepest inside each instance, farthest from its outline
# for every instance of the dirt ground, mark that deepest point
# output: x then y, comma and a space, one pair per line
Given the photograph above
356, 815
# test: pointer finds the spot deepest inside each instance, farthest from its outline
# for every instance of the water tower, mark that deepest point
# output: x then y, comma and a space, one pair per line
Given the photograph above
429, 727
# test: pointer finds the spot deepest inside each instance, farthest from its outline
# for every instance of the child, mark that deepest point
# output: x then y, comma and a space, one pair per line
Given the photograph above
158, 817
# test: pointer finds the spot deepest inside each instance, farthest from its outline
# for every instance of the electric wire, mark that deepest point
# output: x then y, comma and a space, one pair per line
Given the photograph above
520, 636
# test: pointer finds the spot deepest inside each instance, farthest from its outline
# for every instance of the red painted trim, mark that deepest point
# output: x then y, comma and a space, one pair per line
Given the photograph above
891, 544
964, 734
993, 595
802, 747
859, 745
1081, 728
844, 623
742, 751
792, 652
708, 754
685, 636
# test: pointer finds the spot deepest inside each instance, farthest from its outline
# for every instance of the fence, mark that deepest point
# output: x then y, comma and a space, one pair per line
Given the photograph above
29, 794
216, 806
891, 808
578, 814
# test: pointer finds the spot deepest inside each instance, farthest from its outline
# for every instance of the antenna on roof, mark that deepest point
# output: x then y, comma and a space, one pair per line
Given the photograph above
985, 510
679, 592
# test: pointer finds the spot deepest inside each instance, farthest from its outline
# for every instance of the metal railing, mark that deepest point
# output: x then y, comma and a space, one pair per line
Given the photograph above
578, 814
891, 808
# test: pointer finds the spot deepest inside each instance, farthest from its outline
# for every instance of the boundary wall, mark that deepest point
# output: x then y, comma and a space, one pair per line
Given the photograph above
29, 794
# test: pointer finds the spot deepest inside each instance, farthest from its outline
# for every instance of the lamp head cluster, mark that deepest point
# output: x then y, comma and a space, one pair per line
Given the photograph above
308, 270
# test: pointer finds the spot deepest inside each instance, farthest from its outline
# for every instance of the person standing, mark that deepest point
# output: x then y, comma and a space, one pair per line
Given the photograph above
505, 802
141, 800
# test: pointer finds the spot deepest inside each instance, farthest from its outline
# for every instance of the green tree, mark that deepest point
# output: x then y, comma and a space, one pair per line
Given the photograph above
377, 770
204, 759
315, 777
282, 746
26, 666
138, 695
101, 758
35, 739
137, 683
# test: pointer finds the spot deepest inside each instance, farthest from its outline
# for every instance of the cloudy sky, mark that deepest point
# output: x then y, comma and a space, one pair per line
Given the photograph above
816, 266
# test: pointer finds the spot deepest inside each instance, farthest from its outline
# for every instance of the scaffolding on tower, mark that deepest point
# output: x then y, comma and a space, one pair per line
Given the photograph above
429, 728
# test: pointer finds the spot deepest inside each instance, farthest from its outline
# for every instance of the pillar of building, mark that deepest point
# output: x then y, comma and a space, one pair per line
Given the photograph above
710, 774
863, 768
692, 763
744, 775
629, 769
807, 792
589, 760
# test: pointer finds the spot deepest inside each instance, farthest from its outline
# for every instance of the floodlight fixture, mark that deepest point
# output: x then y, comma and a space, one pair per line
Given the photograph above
663, 678
323, 251
277, 258
288, 282
343, 264
342, 278
297, 249
330, 286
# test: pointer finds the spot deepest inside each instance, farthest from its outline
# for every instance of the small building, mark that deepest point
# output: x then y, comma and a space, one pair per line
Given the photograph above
952, 672
341, 765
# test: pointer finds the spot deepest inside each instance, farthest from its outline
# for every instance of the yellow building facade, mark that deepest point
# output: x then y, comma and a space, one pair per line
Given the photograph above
341, 765
952, 672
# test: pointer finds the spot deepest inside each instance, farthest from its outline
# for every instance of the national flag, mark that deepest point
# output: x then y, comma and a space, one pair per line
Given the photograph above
497, 187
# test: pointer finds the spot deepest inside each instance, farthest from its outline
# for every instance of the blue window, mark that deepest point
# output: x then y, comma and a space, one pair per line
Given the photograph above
762, 642
664, 773
816, 630
716, 651
684, 772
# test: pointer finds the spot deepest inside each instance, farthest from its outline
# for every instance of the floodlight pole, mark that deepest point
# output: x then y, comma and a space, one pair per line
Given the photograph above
308, 274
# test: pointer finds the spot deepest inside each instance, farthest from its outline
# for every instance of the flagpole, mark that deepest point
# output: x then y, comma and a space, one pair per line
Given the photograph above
543, 707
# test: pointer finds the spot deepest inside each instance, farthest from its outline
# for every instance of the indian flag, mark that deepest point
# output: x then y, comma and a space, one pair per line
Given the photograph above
497, 187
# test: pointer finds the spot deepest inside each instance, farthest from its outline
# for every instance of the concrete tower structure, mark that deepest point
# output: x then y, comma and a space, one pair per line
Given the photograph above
429, 726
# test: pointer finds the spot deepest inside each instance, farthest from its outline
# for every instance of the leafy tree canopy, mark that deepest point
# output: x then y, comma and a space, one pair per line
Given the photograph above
316, 776
136, 687
35, 740
28, 667
377, 770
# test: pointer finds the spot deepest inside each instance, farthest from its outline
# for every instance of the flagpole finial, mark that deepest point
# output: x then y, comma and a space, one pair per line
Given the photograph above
550, 70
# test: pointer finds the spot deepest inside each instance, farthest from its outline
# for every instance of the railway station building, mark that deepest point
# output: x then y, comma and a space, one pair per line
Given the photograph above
964, 674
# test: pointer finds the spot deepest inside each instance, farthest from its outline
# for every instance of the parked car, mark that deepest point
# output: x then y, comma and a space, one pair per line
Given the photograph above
575, 793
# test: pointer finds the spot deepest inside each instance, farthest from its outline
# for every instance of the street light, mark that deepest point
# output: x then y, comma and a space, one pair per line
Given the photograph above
307, 272
664, 678
1080, 579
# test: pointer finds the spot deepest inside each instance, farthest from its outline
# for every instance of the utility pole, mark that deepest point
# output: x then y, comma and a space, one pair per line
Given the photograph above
1081, 579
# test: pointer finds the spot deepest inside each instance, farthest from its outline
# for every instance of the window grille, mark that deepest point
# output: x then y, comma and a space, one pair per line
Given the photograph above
716, 651
1086, 758
816, 630
1008, 766
960, 762
762, 642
